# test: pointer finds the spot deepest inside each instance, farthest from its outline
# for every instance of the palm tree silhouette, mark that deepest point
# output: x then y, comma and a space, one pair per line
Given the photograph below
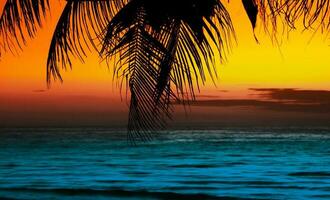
161, 49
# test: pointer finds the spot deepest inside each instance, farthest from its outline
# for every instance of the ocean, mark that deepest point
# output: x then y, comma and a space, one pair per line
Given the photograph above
230, 163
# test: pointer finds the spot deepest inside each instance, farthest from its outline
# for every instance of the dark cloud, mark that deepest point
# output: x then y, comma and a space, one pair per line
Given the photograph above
285, 100
292, 94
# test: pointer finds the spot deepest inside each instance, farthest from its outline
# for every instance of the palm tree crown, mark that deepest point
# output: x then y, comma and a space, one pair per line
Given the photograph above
165, 47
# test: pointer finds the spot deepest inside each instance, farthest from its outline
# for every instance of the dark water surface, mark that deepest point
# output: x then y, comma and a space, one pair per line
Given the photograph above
80, 163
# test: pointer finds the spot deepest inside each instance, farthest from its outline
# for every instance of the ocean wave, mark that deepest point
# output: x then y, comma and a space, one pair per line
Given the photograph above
121, 193
311, 174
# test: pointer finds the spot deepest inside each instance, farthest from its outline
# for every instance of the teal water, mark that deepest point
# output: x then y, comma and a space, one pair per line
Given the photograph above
87, 163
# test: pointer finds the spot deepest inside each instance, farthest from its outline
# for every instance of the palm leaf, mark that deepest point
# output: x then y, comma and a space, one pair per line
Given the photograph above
196, 50
313, 14
77, 30
158, 57
251, 9
20, 18
141, 51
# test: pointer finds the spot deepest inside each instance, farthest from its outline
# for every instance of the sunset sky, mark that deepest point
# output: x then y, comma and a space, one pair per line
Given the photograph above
260, 84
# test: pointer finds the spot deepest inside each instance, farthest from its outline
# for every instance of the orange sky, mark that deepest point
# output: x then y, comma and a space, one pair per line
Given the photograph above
301, 61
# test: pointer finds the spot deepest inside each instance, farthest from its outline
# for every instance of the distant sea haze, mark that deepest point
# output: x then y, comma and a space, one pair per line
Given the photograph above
228, 163
260, 107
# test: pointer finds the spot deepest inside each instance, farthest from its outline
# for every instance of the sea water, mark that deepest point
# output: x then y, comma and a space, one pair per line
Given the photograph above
99, 163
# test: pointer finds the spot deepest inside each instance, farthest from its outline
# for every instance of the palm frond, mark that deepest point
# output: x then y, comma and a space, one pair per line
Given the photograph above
77, 30
141, 52
251, 9
198, 45
158, 57
20, 18
149, 107
313, 14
